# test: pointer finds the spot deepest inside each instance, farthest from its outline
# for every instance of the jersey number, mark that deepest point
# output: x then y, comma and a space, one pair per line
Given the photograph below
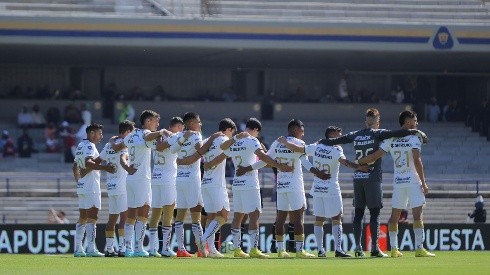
401, 159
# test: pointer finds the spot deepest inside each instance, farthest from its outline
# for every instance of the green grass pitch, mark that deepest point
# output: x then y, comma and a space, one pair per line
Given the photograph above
454, 262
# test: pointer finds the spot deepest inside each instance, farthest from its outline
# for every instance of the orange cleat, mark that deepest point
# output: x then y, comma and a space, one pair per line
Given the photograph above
183, 253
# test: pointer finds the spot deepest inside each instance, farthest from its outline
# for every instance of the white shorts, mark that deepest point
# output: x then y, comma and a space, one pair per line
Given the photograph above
139, 194
215, 199
163, 194
404, 195
327, 207
246, 201
87, 201
188, 194
291, 201
118, 203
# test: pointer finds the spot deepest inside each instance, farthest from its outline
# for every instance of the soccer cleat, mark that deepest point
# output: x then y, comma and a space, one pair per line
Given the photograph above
359, 254
322, 254
79, 254
215, 254
154, 254
121, 254
94, 253
201, 245
141, 254
342, 254
168, 253
238, 253
182, 253
110, 254
395, 253
256, 253
283, 254
423, 253
129, 253
378, 254
303, 254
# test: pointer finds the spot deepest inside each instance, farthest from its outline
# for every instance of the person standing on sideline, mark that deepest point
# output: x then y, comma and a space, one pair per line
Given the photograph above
245, 189
163, 188
409, 182
86, 171
367, 185
138, 184
116, 191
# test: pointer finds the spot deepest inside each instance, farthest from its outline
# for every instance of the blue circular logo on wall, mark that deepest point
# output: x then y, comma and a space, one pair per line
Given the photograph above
442, 39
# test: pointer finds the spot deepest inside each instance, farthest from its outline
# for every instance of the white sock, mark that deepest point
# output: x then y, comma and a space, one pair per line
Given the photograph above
212, 247
212, 228
90, 229
319, 237
237, 237
80, 231
299, 246
393, 239
128, 236
139, 230
109, 244
167, 236
197, 231
419, 237
337, 239
153, 240
280, 245
179, 232
254, 237
122, 244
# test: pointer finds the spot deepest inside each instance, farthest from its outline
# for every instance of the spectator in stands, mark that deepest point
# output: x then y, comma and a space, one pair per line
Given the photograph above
433, 110
57, 217
25, 145
24, 118
50, 138
398, 95
403, 216
85, 114
3, 140
38, 120
53, 115
127, 112
479, 215
343, 91
66, 132
454, 111
159, 94
72, 113
8, 149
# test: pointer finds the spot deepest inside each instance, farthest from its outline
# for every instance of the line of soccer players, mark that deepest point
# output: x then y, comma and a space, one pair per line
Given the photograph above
175, 182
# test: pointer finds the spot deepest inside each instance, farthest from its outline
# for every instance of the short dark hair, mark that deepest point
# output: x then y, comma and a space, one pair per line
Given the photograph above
253, 123
404, 115
125, 126
226, 123
176, 120
294, 123
146, 114
188, 116
331, 129
92, 127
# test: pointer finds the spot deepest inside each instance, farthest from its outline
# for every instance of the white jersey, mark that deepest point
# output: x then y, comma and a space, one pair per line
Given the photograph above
288, 181
116, 183
214, 177
242, 152
90, 183
191, 171
400, 149
165, 162
139, 155
325, 158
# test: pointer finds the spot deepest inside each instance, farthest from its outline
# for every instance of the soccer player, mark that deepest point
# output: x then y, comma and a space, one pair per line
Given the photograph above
163, 186
138, 184
116, 190
327, 197
367, 185
409, 182
86, 171
290, 189
188, 183
245, 189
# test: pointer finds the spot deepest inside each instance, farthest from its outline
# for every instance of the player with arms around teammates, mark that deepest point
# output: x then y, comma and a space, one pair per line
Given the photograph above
409, 182
86, 171
138, 183
116, 191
